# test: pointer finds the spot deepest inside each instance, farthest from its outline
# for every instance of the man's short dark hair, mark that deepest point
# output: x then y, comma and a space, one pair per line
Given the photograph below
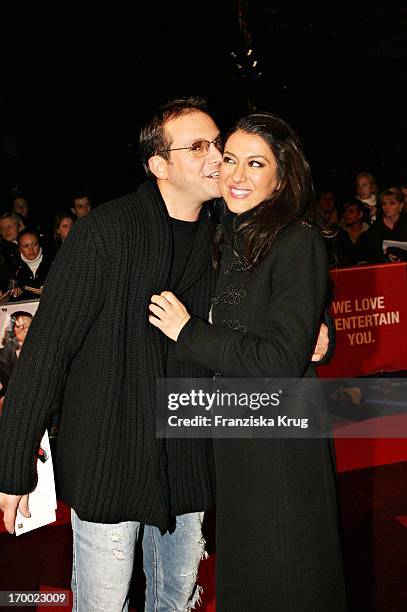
154, 139
78, 194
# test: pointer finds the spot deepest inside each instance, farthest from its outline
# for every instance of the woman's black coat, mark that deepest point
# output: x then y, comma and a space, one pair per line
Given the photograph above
278, 545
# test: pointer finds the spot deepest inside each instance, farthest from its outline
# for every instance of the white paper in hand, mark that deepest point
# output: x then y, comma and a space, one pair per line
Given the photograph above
42, 502
394, 243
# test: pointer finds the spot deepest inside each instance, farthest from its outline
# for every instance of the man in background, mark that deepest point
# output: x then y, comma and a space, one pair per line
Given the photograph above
81, 205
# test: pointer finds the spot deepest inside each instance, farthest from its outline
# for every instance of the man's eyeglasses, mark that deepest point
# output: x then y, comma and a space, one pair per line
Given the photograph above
199, 148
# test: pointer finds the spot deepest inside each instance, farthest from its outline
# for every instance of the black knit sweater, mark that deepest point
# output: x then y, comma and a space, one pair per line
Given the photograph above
91, 337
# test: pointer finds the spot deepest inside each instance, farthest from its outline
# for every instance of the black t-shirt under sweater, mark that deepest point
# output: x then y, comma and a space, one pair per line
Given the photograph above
183, 234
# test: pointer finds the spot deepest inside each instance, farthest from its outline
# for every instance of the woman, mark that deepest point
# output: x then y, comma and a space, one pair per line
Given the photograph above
33, 267
277, 533
366, 192
63, 225
391, 226
21, 208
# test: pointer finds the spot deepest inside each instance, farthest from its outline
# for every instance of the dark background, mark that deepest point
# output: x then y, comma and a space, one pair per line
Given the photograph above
76, 82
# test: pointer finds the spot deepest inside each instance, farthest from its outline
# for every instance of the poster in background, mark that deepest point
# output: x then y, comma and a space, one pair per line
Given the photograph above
15, 320
369, 310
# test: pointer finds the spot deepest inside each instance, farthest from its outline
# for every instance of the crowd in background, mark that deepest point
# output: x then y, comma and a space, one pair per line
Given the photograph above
356, 231
29, 242
370, 227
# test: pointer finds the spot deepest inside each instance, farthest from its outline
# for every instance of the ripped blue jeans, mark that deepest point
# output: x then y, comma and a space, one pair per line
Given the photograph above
103, 563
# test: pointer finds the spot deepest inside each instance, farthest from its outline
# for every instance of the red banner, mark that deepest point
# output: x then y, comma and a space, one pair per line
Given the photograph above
370, 314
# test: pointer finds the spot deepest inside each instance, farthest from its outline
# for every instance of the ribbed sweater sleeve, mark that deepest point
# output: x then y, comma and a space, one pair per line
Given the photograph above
298, 289
72, 297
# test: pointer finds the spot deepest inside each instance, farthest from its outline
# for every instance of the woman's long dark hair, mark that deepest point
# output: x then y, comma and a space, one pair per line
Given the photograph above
292, 200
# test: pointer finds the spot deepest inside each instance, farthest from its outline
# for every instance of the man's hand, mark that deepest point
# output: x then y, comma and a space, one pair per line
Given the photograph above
9, 505
321, 346
169, 314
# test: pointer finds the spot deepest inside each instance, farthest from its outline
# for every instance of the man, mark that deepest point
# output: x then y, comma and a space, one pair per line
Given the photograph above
92, 329
81, 205
352, 219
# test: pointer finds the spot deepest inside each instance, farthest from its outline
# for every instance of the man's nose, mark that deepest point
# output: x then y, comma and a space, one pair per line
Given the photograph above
215, 156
